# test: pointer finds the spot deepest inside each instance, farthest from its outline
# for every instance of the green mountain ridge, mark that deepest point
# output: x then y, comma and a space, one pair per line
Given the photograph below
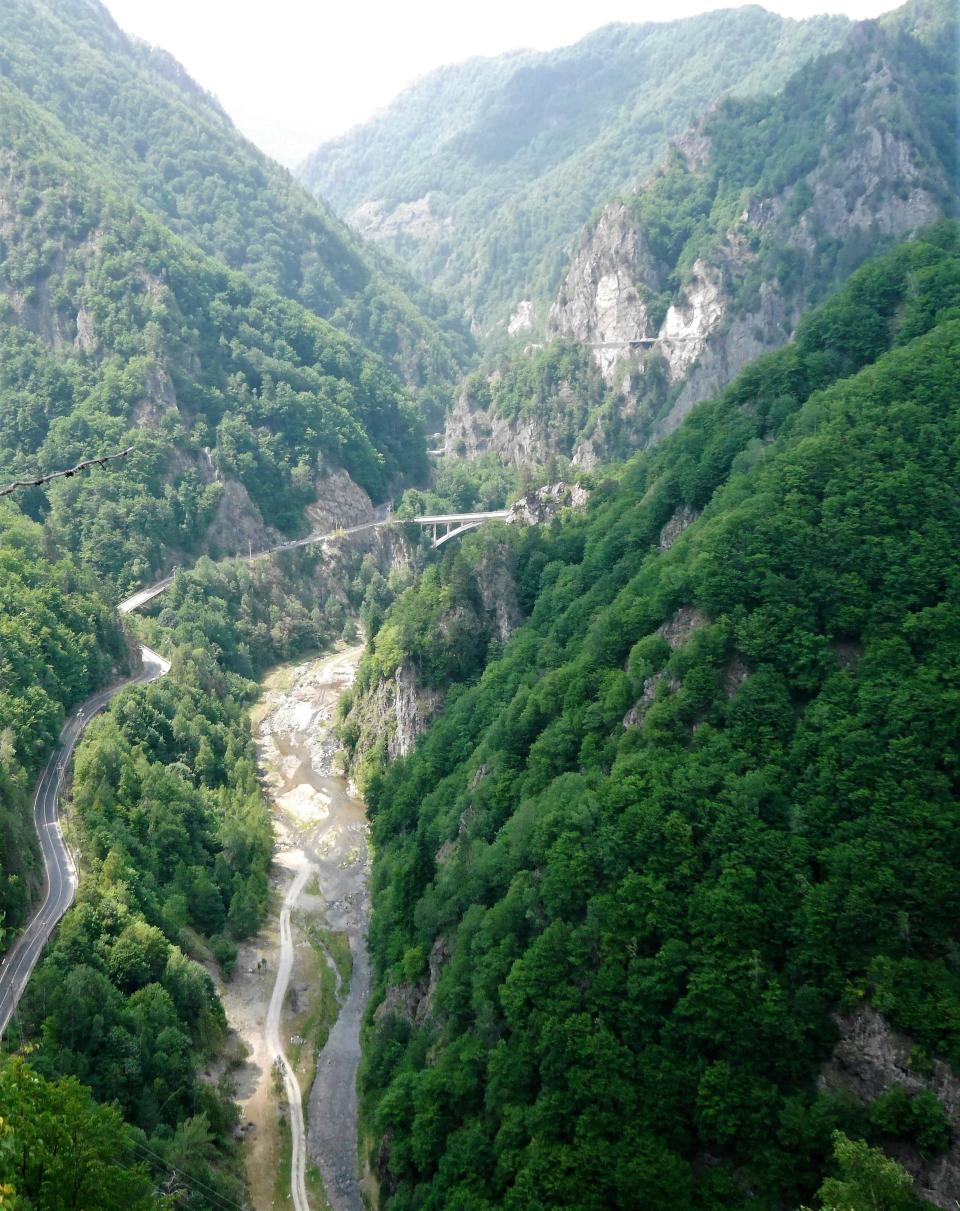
164, 140
701, 800
665, 894
513, 154
120, 333
758, 212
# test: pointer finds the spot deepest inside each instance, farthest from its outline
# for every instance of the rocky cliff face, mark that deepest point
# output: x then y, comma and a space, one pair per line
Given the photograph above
671, 321
338, 502
542, 504
758, 212
605, 299
873, 179
470, 432
870, 1059
387, 718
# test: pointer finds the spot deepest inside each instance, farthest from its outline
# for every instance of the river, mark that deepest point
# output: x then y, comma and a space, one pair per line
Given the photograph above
297, 994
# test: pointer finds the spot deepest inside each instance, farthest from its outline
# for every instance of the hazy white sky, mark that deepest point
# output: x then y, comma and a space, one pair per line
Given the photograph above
292, 73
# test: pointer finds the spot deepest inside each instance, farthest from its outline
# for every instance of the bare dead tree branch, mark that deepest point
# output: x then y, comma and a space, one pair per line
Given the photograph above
45, 479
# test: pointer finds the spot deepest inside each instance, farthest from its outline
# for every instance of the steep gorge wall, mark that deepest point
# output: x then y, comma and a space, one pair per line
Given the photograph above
389, 713
676, 288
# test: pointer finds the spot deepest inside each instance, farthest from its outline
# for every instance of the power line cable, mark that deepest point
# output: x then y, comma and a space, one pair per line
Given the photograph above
67, 474
191, 1181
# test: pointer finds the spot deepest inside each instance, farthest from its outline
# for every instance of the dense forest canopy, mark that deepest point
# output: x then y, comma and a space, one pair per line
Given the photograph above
703, 799
687, 810
116, 333
889, 82
241, 349
59, 640
159, 137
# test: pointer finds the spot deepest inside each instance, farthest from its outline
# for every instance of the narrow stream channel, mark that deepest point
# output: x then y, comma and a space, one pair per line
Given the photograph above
307, 970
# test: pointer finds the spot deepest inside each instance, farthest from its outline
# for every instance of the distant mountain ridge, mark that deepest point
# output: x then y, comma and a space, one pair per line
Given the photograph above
756, 212
479, 174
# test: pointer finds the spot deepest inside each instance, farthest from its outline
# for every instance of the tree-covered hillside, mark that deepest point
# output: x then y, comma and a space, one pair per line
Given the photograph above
160, 138
701, 801
59, 641
117, 333
478, 175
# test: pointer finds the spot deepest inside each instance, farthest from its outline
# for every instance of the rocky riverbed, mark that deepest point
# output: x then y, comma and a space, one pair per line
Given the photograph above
321, 855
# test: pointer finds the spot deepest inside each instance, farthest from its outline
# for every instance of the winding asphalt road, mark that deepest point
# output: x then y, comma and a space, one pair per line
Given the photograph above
382, 517
61, 873
58, 864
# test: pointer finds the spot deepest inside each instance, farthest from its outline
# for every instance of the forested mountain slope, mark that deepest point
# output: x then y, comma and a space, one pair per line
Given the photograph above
478, 175
702, 801
117, 333
158, 136
59, 641
757, 212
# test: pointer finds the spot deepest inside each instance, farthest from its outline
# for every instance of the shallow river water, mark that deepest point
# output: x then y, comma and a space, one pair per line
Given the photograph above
319, 881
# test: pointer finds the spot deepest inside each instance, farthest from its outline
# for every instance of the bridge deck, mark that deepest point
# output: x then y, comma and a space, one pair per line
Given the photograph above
432, 519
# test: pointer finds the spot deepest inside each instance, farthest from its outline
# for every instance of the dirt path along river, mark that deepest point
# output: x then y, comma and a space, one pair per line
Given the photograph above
300, 987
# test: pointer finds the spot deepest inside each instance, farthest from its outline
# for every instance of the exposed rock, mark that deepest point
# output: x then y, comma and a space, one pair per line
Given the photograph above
400, 1000
544, 503
878, 182
445, 852
338, 502
159, 397
638, 712
734, 675
683, 517
676, 631
522, 318
415, 219
871, 1058
411, 708
439, 957
498, 591
681, 626
469, 433
238, 525
86, 339
685, 328
469, 813
603, 301
414, 1001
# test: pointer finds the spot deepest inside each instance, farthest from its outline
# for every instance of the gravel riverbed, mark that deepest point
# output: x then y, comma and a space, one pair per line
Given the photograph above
321, 844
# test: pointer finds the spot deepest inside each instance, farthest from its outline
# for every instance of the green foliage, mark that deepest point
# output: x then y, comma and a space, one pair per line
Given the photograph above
515, 152
755, 155
920, 1118
483, 483
638, 929
187, 363
176, 843
157, 136
175, 832
60, 1150
868, 1181
58, 642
